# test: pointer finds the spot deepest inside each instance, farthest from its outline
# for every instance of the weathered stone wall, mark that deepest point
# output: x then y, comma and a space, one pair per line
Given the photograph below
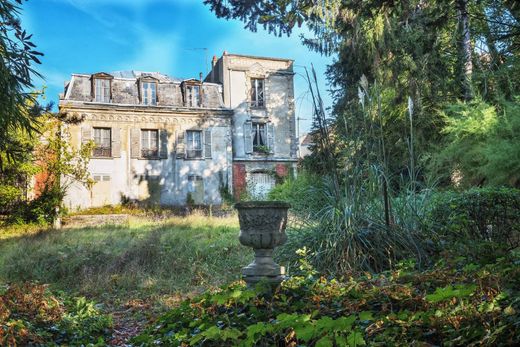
278, 111
151, 181
94, 220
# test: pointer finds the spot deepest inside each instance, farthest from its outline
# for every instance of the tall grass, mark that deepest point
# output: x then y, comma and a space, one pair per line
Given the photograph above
178, 255
367, 219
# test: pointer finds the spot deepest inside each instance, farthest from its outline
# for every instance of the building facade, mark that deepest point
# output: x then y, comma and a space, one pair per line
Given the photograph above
162, 140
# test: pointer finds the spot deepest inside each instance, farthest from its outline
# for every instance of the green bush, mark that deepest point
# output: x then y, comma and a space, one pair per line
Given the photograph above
31, 315
481, 144
301, 192
485, 214
455, 303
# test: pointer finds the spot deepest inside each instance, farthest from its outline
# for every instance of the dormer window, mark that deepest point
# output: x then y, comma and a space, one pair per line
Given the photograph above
192, 93
193, 96
149, 93
102, 90
101, 84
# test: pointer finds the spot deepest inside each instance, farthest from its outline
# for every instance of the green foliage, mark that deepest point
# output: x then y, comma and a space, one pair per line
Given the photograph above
55, 160
146, 259
31, 315
481, 145
488, 214
297, 191
19, 110
450, 304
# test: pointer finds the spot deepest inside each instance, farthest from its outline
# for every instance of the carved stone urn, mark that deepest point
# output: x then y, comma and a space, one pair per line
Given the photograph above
262, 227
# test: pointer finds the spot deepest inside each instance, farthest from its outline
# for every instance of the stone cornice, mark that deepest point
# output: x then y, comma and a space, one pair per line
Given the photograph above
150, 116
75, 106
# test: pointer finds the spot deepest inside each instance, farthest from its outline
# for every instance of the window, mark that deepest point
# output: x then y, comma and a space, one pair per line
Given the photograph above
149, 143
257, 92
103, 142
259, 136
196, 189
102, 91
193, 96
149, 93
193, 144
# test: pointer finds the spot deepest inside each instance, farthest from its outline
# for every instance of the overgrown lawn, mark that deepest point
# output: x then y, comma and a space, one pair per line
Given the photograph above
147, 260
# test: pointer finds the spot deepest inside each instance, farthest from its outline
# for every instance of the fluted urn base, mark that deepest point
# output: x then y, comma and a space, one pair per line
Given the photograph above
263, 268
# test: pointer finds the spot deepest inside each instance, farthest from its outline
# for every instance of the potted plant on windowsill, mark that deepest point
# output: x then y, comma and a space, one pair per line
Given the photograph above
262, 150
262, 227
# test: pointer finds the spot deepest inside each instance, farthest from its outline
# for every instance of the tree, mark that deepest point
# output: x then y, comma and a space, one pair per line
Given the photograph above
432, 52
19, 109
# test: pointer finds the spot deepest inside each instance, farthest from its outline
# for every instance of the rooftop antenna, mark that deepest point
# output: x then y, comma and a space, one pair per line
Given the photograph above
205, 49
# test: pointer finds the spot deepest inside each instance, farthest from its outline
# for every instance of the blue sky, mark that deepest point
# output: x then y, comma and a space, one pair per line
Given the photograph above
87, 36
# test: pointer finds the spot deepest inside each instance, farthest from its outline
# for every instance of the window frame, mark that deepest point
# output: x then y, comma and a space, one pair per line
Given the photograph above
145, 95
255, 100
149, 152
188, 96
106, 86
100, 151
259, 128
194, 153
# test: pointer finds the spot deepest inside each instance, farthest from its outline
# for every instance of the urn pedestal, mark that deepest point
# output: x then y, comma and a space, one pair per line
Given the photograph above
262, 227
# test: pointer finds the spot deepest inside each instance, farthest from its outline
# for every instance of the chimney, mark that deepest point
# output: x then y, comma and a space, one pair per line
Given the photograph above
200, 77
213, 63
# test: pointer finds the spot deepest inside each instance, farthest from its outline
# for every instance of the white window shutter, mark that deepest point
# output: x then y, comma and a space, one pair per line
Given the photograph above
116, 142
270, 137
163, 143
86, 133
248, 139
207, 143
135, 143
181, 146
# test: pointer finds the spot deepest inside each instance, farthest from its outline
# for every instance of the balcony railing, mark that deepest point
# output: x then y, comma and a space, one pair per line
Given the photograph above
102, 152
193, 153
149, 153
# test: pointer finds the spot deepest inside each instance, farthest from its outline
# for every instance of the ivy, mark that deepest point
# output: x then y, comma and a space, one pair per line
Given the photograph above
456, 302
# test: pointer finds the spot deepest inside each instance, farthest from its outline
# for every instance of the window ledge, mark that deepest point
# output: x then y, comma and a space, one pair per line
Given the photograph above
99, 157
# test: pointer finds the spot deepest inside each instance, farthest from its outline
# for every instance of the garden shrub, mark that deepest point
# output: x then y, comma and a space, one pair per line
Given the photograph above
31, 315
479, 214
454, 303
301, 193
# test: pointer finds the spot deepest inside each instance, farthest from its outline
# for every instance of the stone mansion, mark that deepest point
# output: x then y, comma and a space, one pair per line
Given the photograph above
168, 141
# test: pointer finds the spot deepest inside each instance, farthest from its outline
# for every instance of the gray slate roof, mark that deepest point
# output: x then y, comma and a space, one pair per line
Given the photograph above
136, 74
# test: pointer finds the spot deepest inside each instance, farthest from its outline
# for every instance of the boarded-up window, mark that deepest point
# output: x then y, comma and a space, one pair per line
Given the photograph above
196, 188
259, 184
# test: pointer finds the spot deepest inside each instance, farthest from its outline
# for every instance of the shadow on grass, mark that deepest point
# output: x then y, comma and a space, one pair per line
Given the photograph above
183, 255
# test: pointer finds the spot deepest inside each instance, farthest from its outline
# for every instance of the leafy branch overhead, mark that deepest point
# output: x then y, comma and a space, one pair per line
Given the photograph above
18, 105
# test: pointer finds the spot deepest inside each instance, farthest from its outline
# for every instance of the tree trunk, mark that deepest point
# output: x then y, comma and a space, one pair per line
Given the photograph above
465, 50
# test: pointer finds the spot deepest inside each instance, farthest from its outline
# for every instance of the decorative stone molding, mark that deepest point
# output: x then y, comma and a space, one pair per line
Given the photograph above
211, 120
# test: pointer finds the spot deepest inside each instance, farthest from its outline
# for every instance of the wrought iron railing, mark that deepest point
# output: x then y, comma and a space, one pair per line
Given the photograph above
102, 152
